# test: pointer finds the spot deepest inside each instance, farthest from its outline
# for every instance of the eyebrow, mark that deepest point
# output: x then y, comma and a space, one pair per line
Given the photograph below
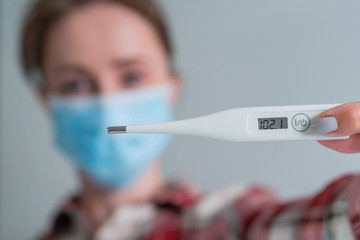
118, 63
123, 63
72, 68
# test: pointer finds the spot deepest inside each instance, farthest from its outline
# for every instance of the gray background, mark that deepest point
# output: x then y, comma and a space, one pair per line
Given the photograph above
231, 54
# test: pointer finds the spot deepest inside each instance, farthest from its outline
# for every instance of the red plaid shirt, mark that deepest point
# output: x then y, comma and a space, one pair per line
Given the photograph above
177, 212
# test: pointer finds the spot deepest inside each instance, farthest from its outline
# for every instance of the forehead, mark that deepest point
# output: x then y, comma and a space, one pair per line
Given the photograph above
100, 32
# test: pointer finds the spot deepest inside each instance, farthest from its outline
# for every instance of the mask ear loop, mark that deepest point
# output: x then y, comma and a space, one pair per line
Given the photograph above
36, 78
170, 93
37, 81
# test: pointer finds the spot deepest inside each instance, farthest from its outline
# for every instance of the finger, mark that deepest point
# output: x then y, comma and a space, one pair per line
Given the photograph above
348, 119
350, 145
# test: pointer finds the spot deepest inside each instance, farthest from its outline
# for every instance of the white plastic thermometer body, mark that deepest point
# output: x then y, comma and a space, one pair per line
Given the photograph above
244, 124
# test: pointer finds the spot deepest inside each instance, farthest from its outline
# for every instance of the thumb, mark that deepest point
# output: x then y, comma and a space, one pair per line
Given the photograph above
348, 119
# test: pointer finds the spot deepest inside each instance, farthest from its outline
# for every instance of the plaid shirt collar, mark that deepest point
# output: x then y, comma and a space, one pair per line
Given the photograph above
253, 213
71, 222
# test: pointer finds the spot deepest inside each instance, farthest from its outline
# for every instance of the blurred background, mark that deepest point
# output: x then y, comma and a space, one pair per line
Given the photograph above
231, 54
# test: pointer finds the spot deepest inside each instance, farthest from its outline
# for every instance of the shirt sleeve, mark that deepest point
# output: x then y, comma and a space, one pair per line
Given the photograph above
228, 213
249, 208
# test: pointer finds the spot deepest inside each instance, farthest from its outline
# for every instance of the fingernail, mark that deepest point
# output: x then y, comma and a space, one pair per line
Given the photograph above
324, 125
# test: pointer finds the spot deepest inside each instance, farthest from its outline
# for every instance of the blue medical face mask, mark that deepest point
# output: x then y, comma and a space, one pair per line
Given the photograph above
113, 161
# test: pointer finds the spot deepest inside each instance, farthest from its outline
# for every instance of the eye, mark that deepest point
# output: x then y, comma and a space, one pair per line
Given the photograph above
133, 79
77, 86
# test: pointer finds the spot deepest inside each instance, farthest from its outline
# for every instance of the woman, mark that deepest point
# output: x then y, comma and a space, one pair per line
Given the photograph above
104, 62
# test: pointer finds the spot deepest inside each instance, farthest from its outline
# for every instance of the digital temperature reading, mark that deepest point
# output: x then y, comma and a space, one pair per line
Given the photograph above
272, 123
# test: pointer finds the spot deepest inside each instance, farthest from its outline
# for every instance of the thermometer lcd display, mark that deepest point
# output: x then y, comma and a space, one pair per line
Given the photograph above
272, 123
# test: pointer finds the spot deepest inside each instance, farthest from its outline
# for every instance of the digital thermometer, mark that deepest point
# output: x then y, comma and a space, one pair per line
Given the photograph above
248, 124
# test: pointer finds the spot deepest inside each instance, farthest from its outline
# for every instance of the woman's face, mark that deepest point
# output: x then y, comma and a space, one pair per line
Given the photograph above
104, 48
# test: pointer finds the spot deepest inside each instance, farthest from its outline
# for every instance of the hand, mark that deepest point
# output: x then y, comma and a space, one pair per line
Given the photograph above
348, 119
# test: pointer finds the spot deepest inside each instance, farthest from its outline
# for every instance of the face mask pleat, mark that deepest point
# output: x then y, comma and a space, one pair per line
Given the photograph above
113, 161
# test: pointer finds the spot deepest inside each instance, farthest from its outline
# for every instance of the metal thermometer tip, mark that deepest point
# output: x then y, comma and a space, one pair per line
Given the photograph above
119, 129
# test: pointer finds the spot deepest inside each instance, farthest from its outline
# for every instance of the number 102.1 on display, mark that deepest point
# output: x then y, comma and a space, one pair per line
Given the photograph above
272, 123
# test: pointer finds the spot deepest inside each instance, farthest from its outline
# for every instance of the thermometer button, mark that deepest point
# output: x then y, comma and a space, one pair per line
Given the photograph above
300, 122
